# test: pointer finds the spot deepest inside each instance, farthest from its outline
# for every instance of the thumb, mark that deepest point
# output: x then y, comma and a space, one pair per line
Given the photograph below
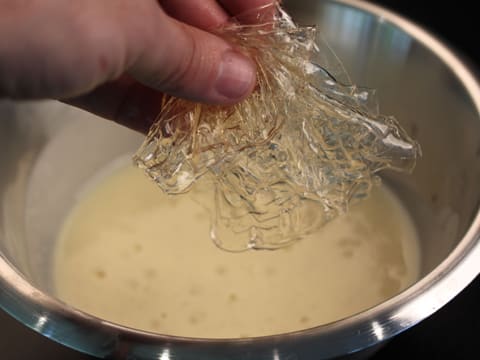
188, 62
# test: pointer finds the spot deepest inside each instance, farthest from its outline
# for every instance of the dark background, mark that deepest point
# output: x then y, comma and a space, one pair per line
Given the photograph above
451, 333
456, 22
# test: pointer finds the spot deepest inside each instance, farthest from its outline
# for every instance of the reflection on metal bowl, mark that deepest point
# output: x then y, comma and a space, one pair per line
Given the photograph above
430, 91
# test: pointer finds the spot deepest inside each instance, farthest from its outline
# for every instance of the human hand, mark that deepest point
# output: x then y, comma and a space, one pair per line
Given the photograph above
116, 57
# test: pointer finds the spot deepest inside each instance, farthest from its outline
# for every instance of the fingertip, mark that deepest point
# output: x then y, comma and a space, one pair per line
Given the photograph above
236, 78
195, 65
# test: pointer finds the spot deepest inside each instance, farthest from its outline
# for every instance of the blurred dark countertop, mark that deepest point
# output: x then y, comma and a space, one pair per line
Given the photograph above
451, 333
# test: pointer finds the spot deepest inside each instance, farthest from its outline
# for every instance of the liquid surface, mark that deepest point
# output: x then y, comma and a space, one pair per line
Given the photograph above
132, 255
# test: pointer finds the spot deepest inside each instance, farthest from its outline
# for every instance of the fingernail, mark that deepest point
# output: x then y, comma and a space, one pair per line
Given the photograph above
236, 76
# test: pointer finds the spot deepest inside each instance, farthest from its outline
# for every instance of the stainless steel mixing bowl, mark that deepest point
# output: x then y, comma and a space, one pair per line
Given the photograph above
49, 150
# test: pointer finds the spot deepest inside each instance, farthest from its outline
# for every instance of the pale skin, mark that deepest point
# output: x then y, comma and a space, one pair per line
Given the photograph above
116, 58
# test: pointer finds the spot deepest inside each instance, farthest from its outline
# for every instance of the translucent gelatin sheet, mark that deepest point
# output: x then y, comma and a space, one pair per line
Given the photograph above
289, 158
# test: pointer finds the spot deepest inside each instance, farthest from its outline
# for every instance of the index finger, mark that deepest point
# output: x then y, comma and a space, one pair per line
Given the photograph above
250, 11
204, 14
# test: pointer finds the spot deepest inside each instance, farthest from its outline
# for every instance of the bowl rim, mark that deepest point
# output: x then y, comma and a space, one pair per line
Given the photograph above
18, 297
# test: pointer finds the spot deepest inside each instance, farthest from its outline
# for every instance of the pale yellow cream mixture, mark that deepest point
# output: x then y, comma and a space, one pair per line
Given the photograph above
132, 255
